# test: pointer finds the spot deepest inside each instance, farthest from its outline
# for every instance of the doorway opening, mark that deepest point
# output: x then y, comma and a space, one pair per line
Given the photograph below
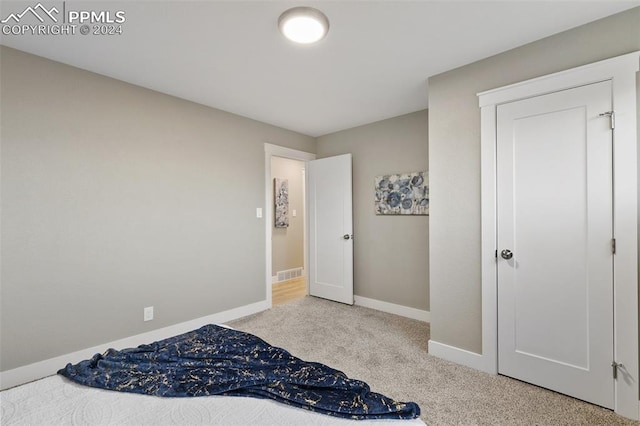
286, 244
287, 235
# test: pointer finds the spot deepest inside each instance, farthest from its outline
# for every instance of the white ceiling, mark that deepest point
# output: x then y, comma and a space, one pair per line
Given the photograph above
373, 64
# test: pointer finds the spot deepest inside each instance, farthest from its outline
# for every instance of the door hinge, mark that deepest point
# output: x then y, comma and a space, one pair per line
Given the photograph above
615, 367
613, 245
612, 118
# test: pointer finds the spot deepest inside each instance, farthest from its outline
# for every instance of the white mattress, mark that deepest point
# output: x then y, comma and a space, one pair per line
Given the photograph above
57, 401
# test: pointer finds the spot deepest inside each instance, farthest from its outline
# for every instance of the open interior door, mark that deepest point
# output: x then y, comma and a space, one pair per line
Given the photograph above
330, 228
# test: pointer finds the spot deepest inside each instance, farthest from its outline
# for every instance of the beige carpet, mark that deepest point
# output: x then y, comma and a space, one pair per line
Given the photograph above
390, 353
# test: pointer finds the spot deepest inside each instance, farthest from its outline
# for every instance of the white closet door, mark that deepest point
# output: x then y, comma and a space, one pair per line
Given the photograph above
555, 260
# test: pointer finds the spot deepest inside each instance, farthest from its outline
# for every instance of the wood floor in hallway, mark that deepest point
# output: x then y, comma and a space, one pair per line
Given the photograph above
287, 291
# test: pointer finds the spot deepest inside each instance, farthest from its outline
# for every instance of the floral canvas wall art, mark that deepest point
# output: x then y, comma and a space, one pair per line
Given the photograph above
403, 194
281, 187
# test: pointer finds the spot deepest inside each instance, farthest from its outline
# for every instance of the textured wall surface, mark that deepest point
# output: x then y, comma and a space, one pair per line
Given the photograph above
288, 243
454, 160
114, 198
390, 252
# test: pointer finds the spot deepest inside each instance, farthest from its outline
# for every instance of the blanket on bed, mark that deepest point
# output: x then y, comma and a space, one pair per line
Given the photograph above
214, 360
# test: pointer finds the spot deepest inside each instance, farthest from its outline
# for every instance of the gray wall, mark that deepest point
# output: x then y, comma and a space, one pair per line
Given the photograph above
288, 243
454, 165
390, 252
115, 198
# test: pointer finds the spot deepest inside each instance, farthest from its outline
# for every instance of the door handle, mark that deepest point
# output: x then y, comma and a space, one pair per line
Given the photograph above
506, 254
347, 237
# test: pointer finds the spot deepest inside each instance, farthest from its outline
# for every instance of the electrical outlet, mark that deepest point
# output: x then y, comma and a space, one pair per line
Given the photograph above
148, 313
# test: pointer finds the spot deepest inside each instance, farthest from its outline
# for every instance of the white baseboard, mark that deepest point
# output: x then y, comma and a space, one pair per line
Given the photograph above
48, 367
392, 308
457, 355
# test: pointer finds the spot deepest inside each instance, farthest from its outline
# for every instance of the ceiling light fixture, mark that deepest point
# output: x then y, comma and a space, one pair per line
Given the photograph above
304, 25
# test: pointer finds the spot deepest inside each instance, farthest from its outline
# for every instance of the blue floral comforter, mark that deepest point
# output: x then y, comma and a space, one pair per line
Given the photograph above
214, 360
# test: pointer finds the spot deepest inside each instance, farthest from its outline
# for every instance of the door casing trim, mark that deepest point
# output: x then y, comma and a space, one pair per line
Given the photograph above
621, 71
270, 151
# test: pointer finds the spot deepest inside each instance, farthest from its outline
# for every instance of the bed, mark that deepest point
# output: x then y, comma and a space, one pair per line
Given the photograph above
276, 397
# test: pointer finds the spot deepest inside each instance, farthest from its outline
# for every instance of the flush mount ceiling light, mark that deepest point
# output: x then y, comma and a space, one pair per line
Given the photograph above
304, 25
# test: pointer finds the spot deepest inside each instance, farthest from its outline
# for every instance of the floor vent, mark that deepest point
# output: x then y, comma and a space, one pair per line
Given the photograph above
289, 274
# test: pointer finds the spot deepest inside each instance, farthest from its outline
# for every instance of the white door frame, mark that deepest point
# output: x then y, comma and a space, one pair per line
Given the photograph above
621, 71
270, 151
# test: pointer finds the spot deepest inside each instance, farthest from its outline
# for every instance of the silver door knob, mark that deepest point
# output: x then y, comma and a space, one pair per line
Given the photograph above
506, 254
346, 236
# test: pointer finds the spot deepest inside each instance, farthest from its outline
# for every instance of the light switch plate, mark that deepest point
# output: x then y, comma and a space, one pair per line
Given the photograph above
259, 212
